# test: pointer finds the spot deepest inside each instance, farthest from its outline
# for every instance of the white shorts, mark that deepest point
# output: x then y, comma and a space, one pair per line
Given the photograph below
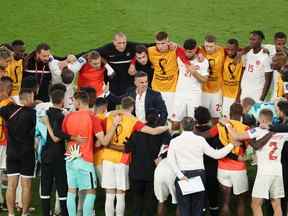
227, 102
238, 180
168, 98
268, 186
164, 182
3, 157
184, 105
115, 176
213, 102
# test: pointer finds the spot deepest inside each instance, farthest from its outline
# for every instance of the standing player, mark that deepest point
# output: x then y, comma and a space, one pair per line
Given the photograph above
5, 59
80, 160
165, 66
115, 164
232, 73
20, 122
212, 96
257, 75
5, 91
188, 93
15, 68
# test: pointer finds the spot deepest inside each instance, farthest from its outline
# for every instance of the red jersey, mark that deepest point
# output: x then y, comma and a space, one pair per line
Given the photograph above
91, 77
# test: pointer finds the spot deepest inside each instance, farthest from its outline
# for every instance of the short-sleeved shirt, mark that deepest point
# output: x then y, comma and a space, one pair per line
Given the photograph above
269, 156
15, 72
3, 131
20, 122
85, 124
127, 126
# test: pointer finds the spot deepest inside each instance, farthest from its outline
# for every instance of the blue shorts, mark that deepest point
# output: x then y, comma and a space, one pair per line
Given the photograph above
81, 174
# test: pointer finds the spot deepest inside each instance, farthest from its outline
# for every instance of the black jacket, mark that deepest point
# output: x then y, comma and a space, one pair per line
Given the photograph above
153, 101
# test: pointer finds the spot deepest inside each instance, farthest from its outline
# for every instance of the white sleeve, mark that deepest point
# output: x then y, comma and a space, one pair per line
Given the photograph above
76, 66
216, 153
110, 70
54, 67
255, 133
204, 69
267, 64
171, 157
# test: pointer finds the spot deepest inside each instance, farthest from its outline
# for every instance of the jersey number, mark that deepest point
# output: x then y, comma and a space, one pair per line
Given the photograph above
250, 68
272, 155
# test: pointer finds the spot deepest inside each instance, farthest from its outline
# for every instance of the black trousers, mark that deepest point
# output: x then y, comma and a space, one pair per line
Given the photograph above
143, 197
212, 190
50, 173
192, 204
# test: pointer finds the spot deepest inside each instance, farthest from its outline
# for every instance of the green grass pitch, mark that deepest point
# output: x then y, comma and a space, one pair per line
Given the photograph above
74, 26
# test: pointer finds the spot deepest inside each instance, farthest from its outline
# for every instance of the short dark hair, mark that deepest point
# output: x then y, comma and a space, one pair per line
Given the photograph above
140, 74
187, 123
30, 82
6, 79
283, 107
267, 113
190, 44
7, 83
233, 41
18, 43
5, 52
236, 109
91, 93
161, 35
202, 115
24, 92
259, 33
57, 96
67, 75
127, 102
210, 38
93, 55
140, 49
248, 101
280, 35
100, 101
153, 118
82, 96
42, 46
57, 86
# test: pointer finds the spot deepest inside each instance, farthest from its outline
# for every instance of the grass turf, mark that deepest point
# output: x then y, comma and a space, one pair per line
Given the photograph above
74, 26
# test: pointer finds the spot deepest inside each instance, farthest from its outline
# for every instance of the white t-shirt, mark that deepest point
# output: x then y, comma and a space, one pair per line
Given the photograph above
186, 83
140, 107
269, 156
256, 65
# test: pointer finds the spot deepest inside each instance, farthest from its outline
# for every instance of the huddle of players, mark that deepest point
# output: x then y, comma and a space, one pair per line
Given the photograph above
210, 74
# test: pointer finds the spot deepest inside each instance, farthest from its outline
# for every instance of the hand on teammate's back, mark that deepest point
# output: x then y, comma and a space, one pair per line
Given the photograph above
117, 119
79, 139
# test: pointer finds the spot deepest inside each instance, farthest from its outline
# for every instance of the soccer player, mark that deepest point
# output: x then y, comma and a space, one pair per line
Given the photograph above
80, 158
15, 68
5, 59
166, 70
20, 122
143, 63
212, 96
257, 75
36, 65
115, 164
5, 92
232, 73
188, 93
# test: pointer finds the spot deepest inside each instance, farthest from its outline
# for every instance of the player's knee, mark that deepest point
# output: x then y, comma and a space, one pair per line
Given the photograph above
255, 203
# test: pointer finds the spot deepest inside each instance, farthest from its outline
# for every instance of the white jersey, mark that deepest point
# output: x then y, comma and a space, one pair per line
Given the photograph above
186, 84
269, 156
68, 99
256, 65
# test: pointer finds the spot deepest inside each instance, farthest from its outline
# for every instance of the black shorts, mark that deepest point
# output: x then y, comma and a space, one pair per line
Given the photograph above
23, 165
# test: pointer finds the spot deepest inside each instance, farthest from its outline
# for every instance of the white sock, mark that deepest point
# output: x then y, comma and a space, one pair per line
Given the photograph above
109, 204
120, 204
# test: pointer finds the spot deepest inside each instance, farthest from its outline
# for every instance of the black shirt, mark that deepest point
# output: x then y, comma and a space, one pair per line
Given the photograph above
51, 151
144, 149
20, 122
42, 74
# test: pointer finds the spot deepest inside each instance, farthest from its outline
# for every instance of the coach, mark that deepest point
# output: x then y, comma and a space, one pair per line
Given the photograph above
145, 99
185, 154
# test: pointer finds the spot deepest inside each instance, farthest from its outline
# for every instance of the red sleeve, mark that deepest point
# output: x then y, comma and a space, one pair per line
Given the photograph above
133, 61
97, 125
213, 131
138, 126
181, 54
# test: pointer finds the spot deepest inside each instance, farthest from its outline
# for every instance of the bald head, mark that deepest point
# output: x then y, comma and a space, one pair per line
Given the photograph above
120, 41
